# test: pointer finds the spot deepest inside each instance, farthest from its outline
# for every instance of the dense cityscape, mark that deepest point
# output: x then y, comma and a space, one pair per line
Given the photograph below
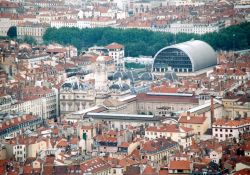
133, 87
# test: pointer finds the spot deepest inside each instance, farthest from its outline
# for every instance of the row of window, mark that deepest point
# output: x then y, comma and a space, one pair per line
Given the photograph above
226, 130
221, 135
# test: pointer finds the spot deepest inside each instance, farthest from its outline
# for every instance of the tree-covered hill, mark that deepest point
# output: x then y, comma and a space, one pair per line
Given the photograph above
144, 42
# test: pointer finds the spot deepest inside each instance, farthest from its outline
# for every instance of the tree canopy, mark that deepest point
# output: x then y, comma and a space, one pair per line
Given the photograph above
12, 32
143, 42
30, 40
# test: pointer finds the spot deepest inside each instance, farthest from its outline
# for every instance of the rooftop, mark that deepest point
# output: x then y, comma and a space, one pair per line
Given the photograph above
180, 165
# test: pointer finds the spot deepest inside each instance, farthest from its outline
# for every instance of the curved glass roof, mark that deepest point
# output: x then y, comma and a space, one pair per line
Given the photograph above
201, 54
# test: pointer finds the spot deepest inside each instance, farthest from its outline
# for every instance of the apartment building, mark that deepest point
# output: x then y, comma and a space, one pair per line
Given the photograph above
230, 129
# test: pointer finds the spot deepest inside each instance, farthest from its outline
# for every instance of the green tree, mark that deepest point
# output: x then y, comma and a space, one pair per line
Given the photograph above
12, 32
143, 42
30, 40
134, 65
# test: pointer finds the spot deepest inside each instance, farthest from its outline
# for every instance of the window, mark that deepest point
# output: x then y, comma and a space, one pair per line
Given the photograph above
220, 135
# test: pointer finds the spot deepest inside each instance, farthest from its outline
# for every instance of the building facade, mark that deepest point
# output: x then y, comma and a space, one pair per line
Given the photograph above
12, 127
116, 51
153, 102
179, 134
158, 150
76, 96
230, 129
31, 29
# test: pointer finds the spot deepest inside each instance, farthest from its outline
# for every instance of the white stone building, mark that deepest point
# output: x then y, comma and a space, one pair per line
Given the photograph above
45, 107
5, 25
216, 155
63, 23
101, 77
116, 51
76, 96
20, 152
5, 102
84, 22
225, 130
32, 105
179, 134
35, 30
200, 29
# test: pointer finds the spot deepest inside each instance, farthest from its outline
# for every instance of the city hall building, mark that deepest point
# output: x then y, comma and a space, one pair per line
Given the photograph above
188, 58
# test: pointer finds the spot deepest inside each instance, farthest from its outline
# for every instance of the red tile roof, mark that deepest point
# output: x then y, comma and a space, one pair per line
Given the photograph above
156, 145
149, 170
168, 128
94, 165
62, 143
166, 98
105, 138
245, 171
27, 170
114, 46
124, 145
164, 89
192, 119
231, 123
16, 121
179, 165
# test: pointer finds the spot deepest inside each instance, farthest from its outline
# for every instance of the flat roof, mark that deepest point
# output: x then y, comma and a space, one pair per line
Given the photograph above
119, 116
87, 110
171, 94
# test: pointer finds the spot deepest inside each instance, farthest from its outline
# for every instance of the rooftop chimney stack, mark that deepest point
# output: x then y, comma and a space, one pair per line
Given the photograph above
212, 110
188, 115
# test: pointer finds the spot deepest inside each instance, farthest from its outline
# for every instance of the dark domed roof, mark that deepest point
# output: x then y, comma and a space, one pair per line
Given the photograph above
120, 87
125, 87
147, 76
114, 86
132, 75
75, 86
120, 74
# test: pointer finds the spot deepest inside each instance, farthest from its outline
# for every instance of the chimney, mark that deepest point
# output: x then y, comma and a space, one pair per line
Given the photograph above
214, 69
24, 117
188, 115
212, 110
